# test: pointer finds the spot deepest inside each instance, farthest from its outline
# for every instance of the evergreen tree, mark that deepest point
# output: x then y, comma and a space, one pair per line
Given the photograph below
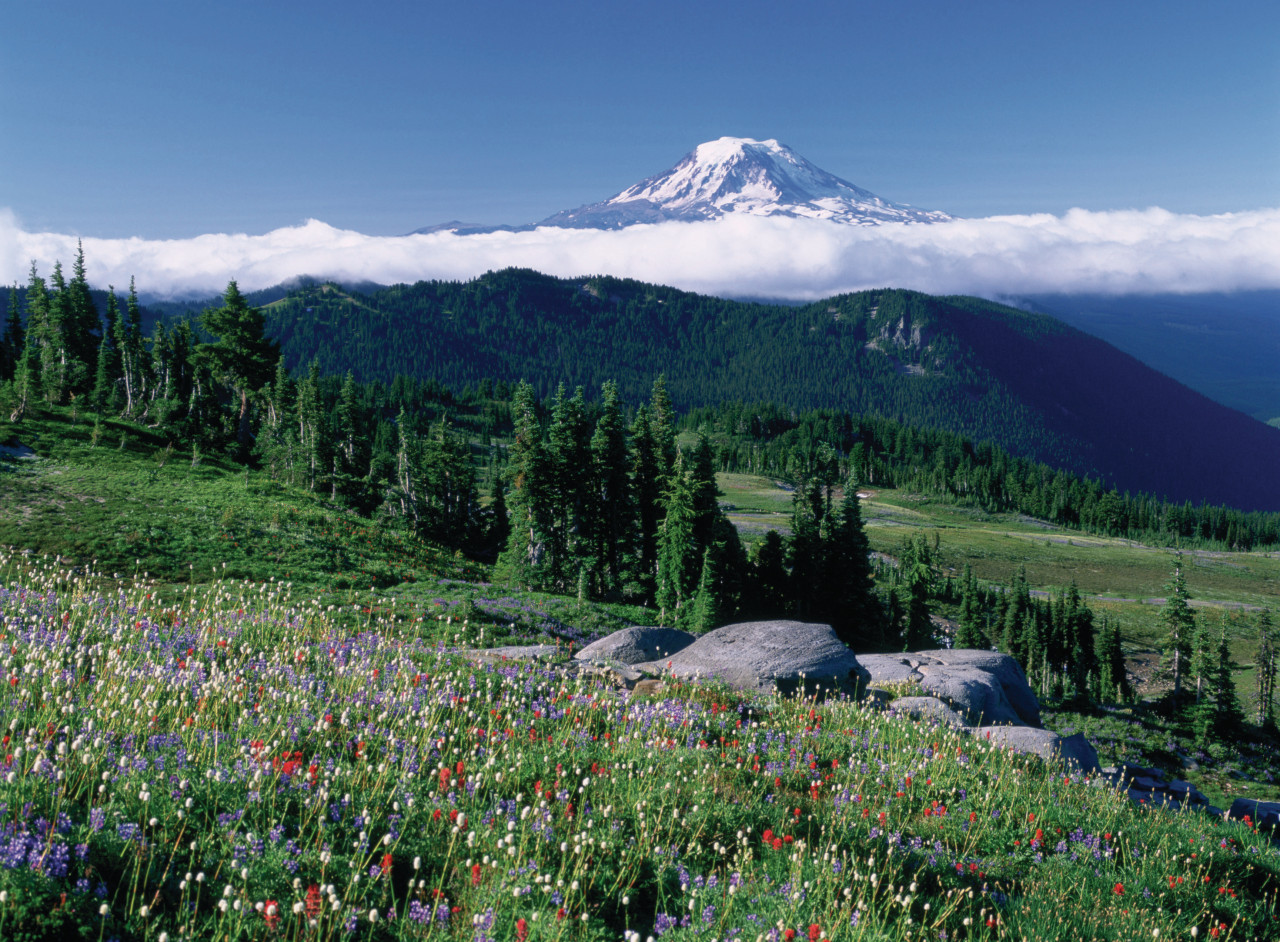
1266, 668
11, 340
28, 377
83, 326
132, 360
350, 459
646, 486
769, 579
805, 551
242, 357
850, 601
1178, 622
106, 384
707, 612
499, 519
662, 422
1113, 679
523, 562
615, 520
312, 441
1018, 624
916, 578
1228, 714
679, 562
969, 634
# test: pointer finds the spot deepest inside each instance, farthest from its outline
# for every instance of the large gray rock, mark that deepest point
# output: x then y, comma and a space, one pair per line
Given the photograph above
985, 687
1075, 751
1264, 814
764, 656
637, 645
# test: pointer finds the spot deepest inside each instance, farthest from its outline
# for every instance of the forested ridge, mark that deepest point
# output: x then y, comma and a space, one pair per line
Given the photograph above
1027, 382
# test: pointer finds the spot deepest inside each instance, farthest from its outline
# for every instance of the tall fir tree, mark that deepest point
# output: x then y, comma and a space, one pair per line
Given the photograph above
646, 487
1113, 679
969, 633
916, 574
107, 376
132, 359
11, 339
83, 326
1266, 669
242, 357
613, 529
679, 562
1228, 713
851, 605
1178, 623
523, 562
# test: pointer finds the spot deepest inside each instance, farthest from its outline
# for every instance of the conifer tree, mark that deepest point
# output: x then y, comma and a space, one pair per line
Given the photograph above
83, 325
662, 422
242, 357
679, 562
523, 562
107, 376
805, 556
646, 486
969, 633
848, 583
916, 578
615, 519
1228, 714
1178, 623
707, 612
1266, 668
11, 340
1113, 679
132, 361
769, 580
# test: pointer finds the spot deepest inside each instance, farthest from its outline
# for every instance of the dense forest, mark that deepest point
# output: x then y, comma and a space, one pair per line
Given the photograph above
1028, 383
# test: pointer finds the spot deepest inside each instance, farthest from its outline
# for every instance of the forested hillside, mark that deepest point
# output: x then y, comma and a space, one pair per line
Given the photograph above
1027, 382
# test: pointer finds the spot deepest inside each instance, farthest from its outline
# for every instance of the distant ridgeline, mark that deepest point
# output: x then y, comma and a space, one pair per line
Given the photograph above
223, 385
1026, 382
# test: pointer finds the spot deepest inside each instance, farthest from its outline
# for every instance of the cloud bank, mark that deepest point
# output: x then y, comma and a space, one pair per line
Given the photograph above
1122, 252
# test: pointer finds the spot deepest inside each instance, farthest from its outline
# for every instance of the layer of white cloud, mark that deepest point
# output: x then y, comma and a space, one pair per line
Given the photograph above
1101, 252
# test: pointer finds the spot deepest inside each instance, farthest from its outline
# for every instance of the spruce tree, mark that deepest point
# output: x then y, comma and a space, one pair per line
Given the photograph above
646, 486
524, 561
132, 360
11, 339
1228, 714
662, 422
916, 577
615, 520
83, 325
1113, 679
1178, 622
106, 382
769, 580
848, 583
679, 562
969, 633
1266, 667
242, 357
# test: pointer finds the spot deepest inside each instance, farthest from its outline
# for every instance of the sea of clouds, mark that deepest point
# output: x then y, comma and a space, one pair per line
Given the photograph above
1119, 252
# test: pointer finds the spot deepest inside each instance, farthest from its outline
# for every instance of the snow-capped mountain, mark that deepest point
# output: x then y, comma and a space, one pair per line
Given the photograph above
732, 175
741, 175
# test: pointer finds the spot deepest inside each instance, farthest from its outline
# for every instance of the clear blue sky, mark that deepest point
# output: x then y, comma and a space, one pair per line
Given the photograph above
169, 119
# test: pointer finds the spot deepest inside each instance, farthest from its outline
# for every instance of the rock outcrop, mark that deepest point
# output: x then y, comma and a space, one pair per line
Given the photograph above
985, 687
766, 656
637, 645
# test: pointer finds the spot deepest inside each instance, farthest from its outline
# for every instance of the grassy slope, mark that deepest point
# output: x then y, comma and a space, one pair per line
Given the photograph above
134, 509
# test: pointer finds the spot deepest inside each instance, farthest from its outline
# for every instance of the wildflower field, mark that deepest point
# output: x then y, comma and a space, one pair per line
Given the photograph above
232, 761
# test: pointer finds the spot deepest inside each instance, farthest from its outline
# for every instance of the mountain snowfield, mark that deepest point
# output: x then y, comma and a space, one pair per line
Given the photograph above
741, 175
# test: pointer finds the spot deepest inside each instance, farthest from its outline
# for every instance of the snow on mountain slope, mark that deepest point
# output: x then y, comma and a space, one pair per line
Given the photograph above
741, 175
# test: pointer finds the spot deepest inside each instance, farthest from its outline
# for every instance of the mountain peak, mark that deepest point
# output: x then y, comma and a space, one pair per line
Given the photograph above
742, 175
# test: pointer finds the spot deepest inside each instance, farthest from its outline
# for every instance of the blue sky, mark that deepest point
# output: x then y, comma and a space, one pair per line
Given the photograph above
165, 120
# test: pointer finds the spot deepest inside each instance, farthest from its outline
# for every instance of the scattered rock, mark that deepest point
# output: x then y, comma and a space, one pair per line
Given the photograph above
766, 656
985, 687
637, 645
927, 708
647, 688
1264, 814
516, 652
1074, 750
